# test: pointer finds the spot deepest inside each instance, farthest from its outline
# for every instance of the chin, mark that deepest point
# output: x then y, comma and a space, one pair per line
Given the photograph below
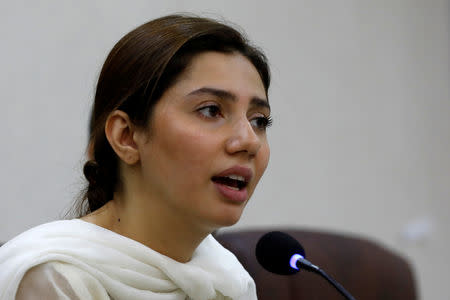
225, 220
227, 223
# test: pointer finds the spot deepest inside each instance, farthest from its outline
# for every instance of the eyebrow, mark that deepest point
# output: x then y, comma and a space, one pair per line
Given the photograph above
226, 95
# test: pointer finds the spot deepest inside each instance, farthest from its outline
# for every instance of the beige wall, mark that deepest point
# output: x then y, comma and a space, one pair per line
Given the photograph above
360, 95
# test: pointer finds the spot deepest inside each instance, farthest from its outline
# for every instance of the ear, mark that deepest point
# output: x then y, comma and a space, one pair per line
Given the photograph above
120, 133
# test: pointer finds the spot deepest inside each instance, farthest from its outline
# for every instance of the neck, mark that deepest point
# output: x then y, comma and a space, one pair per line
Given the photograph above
151, 226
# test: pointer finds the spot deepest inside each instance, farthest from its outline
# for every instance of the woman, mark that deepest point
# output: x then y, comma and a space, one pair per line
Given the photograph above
177, 146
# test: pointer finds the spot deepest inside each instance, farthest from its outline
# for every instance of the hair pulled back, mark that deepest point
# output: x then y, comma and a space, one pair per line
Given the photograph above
137, 71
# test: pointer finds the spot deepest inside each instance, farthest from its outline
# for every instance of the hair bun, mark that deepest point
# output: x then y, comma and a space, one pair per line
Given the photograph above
91, 170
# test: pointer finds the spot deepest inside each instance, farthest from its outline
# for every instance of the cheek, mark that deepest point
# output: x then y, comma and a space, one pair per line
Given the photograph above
189, 151
264, 159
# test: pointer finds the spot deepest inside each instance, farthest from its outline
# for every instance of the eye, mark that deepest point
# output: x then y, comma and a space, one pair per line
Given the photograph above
210, 111
261, 123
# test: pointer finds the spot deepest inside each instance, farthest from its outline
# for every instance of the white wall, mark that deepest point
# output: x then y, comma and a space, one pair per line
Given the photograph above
360, 95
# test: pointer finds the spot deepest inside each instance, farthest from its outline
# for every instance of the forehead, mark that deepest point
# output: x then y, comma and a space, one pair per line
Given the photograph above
228, 71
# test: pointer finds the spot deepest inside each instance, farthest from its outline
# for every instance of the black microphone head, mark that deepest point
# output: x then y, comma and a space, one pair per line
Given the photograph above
275, 251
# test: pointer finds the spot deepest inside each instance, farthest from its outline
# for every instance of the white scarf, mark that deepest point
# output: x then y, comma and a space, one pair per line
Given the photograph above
126, 268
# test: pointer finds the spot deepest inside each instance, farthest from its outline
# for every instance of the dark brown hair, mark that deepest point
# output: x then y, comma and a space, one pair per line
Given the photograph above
140, 67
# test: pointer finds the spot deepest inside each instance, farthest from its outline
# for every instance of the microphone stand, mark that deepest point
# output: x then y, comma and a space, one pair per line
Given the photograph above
307, 265
334, 283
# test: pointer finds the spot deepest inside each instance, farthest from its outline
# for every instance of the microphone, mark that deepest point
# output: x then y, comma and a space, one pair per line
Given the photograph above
279, 253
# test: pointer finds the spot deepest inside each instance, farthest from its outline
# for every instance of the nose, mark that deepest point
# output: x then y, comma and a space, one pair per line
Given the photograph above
243, 138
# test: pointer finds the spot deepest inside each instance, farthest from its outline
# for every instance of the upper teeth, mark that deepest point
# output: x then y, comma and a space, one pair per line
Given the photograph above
236, 177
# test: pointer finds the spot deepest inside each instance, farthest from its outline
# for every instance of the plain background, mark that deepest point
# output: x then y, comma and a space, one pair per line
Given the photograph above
360, 98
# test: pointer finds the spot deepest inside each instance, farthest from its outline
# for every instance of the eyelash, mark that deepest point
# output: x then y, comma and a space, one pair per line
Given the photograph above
209, 107
266, 121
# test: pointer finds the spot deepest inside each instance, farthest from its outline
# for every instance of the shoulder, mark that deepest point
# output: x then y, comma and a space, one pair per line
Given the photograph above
44, 262
58, 280
44, 282
39, 232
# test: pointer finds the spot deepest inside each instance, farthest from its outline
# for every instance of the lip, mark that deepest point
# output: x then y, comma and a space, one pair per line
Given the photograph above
238, 196
237, 170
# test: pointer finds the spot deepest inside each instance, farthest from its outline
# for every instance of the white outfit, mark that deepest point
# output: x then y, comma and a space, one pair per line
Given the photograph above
75, 259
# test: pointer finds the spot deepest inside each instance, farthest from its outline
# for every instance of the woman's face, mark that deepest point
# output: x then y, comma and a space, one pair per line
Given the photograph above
207, 147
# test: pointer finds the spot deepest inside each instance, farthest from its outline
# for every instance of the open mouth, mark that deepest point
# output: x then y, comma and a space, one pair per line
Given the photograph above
234, 182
